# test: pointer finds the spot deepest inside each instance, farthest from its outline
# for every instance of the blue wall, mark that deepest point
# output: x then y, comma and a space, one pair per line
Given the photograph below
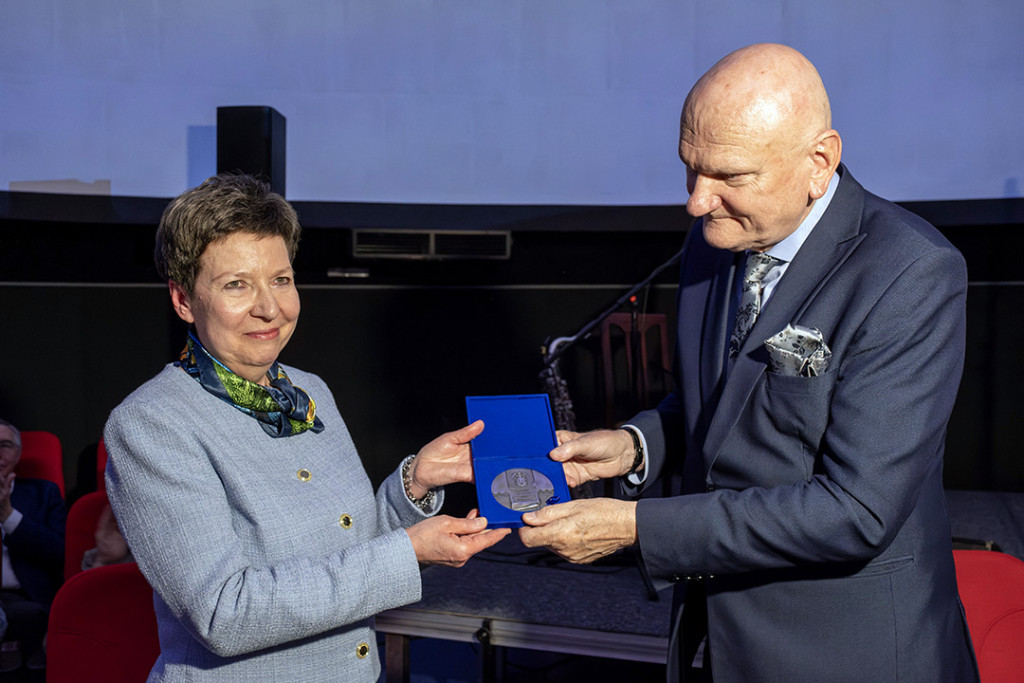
494, 101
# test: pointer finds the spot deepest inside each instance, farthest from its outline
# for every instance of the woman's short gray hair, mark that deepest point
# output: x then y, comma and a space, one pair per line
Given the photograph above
224, 204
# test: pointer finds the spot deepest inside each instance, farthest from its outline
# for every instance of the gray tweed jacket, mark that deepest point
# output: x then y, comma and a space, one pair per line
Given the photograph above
268, 557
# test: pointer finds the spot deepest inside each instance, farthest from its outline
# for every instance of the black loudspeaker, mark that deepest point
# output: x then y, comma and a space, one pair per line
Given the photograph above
252, 140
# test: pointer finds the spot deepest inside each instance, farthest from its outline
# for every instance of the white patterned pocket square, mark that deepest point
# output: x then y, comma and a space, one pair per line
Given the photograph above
798, 351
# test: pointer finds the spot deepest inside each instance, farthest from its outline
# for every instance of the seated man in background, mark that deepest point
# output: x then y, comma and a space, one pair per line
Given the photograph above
32, 517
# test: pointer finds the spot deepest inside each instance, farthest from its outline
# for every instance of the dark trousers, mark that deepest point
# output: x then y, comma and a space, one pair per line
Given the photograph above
26, 620
689, 635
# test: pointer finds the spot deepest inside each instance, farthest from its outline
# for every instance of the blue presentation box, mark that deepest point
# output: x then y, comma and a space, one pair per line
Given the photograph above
510, 457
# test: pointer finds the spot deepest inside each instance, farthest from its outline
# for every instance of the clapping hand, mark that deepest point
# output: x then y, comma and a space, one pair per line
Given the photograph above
6, 481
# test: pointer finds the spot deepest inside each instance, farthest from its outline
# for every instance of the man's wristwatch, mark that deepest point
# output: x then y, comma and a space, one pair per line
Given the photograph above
638, 450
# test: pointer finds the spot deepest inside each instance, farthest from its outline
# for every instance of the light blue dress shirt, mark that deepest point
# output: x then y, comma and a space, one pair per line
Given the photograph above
785, 251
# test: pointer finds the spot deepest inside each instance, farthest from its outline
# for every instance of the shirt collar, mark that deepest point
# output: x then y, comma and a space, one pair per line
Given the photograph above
787, 248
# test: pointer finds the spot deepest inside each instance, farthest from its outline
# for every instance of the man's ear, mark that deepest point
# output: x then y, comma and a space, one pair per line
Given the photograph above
825, 160
181, 302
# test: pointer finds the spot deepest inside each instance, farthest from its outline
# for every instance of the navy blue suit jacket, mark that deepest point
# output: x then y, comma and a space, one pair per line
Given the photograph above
813, 508
37, 545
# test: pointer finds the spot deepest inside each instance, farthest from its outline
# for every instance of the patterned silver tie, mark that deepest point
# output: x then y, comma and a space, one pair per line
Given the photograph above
761, 269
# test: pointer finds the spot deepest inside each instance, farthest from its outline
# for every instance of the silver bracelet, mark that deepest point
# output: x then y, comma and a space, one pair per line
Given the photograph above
426, 502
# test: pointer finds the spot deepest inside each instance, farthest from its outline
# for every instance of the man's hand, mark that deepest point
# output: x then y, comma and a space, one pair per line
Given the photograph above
601, 454
582, 531
5, 496
452, 540
444, 460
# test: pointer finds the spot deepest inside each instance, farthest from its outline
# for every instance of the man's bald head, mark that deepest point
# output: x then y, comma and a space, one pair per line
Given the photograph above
767, 85
759, 120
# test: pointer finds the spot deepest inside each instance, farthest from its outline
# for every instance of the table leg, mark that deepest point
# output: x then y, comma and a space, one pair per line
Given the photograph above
396, 658
487, 653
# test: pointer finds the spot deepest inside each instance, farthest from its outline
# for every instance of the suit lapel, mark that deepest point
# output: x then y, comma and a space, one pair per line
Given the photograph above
830, 243
704, 286
715, 333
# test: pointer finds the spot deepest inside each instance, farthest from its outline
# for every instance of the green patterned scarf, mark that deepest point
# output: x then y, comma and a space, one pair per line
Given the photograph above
282, 408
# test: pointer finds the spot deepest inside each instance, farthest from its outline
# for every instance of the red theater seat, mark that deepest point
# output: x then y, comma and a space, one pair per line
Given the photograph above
102, 628
991, 588
80, 531
41, 458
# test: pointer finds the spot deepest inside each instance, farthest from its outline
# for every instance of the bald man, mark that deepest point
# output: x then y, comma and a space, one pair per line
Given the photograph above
811, 542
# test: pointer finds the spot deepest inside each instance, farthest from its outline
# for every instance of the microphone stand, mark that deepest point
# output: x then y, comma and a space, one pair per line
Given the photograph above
553, 350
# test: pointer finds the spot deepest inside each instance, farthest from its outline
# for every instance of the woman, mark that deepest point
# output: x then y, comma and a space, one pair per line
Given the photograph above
235, 480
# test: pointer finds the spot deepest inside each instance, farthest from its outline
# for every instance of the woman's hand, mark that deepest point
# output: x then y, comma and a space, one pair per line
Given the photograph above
452, 540
444, 460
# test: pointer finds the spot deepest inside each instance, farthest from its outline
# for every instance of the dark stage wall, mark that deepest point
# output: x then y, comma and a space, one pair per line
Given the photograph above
399, 360
85, 322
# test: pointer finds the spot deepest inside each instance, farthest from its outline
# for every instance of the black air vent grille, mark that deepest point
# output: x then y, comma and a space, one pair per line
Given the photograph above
430, 244
390, 244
